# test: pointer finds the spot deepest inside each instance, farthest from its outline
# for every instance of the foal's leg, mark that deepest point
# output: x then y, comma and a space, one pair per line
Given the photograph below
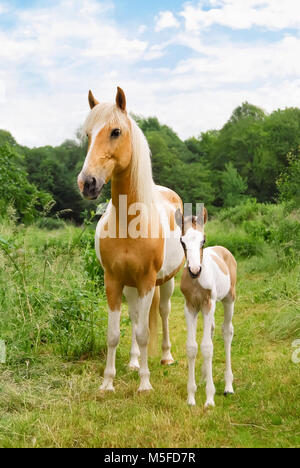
131, 295
166, 291
192, 350
228, 332
114, 298
142, 336
207, 352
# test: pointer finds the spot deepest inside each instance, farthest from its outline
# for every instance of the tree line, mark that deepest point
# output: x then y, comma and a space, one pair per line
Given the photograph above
255, 155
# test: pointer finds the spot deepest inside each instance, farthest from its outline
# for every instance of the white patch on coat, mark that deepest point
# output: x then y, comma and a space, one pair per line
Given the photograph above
100, 225
95, 133
212, 277
173, 252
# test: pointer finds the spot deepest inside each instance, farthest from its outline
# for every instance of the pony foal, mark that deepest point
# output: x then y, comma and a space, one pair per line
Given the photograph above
209, 276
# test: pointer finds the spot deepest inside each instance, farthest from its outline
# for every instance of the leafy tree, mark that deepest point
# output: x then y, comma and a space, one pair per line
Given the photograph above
15, 188
233, 186
7, 138
288, 182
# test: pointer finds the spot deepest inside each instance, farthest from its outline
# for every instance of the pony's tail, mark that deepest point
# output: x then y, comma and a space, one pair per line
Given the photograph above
153, 323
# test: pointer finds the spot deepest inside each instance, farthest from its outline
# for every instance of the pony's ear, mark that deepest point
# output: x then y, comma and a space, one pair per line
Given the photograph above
179, 219
121, 100
202, 217
92, 101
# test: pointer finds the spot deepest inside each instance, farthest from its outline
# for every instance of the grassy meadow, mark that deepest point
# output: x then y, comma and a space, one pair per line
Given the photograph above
53, 321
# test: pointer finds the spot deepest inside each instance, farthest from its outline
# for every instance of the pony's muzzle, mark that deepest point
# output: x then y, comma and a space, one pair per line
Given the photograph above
90, 187
194, 272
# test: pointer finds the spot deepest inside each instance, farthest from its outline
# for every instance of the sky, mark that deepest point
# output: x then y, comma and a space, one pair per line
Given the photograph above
188, 63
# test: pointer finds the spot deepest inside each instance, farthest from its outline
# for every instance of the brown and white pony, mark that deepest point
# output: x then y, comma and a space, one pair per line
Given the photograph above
137, 240
209, 276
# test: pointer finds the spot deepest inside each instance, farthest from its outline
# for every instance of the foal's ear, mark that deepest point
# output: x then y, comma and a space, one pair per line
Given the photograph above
92, 101
202, 217
121, 100
179, 219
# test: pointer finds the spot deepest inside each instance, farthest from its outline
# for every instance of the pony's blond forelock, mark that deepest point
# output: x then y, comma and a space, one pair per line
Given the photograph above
141, 169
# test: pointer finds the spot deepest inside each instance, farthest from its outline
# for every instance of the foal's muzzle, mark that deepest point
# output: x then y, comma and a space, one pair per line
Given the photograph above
195, 274
90, 187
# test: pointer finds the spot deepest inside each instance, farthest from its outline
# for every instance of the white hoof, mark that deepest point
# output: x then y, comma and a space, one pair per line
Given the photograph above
209, 404
134, 365
145, 387
107, 386
167, 359
191, 401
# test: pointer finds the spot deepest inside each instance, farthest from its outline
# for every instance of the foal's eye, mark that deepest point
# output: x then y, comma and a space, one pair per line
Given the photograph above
182, 243
116, 133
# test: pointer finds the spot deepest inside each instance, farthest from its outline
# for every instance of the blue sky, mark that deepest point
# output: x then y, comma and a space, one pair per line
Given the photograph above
188, 63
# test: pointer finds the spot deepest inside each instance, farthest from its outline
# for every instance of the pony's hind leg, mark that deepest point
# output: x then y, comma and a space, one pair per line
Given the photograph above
142, 336
228, 332
131, 295
166, 291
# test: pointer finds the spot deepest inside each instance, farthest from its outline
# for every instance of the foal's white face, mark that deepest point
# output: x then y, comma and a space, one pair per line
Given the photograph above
193, 242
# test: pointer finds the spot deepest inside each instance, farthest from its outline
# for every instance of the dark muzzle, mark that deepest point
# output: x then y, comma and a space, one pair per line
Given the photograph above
195, 275
92, 187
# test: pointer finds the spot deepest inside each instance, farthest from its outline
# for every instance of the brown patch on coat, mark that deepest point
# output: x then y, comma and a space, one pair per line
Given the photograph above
220, 264
231, 264
176, 203
196, 297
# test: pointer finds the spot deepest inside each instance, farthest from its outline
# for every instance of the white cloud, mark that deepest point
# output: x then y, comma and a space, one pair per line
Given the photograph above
2, 91
165, 20
243, 64
243, 14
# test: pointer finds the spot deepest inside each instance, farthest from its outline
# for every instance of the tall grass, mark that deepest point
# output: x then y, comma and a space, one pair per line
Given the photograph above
51, 299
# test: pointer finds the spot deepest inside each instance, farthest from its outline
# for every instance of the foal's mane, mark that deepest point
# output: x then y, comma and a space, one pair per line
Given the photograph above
141, 170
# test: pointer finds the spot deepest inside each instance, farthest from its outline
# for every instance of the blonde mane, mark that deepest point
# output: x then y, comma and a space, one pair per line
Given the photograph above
141, 169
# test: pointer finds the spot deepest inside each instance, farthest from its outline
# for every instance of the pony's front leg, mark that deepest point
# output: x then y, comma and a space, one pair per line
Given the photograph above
114, 298
192, 349
142, 336
228, 331
207, 352
131, 295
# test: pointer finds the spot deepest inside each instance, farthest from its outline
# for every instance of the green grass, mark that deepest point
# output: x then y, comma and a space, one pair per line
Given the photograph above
53, 318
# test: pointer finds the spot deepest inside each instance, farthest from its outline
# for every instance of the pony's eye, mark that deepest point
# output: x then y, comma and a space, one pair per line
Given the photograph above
115, 133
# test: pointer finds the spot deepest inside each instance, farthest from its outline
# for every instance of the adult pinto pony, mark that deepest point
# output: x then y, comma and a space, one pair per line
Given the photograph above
137, 261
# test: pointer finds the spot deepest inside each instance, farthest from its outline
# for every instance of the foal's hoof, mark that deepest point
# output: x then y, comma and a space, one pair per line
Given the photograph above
167, 362
145, 388
107, 387
134, 366
228, 393
209, 404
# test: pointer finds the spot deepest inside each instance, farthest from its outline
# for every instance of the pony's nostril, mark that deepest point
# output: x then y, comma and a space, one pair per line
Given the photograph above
94, 182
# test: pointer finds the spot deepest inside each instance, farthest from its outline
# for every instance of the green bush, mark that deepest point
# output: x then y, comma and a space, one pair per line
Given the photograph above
239, 243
